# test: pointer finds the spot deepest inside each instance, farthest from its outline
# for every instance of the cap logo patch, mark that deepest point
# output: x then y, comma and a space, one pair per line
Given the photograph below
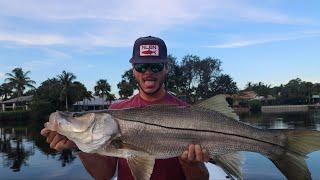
149, 50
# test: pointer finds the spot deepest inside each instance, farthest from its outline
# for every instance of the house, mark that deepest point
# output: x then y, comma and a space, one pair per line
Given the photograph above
247, 95
268, 100
315, 98
243, 97
17, 103
95, 103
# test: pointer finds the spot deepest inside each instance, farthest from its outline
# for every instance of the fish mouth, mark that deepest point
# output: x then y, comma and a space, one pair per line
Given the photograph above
53, 123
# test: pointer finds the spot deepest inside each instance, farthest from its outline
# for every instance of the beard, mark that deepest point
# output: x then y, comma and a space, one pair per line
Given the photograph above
161, 84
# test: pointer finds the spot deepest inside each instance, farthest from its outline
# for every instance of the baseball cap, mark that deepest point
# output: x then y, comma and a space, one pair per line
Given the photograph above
149, 50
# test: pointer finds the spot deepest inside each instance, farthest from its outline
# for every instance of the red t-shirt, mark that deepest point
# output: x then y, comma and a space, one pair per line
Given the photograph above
163, 168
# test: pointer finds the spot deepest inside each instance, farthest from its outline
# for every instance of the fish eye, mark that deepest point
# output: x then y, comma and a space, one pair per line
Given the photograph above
117, 143
76, 114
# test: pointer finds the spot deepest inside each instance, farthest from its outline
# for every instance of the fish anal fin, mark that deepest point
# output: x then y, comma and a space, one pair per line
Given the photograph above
218, 103
231, 163
141, 166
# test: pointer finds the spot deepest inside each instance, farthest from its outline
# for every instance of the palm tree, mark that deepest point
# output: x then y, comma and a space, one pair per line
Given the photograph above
19, 80
102, 88
66, 79
249, 86
5, 91
110, 97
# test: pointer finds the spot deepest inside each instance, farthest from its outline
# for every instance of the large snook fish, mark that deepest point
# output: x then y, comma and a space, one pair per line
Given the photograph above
142, 135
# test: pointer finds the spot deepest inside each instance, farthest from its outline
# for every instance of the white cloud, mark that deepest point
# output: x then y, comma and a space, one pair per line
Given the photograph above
240, 10
91, 66
37, 64
57, 54
2, 75
118, 23
100, 10
267, 38
166, 11
31, 39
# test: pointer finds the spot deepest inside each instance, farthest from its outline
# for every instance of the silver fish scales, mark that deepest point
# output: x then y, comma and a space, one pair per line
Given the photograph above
142, 135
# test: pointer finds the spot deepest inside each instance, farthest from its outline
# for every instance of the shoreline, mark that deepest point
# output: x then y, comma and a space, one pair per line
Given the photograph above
288, 108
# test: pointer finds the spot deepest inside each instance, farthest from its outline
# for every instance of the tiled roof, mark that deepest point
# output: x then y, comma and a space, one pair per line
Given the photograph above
18, 99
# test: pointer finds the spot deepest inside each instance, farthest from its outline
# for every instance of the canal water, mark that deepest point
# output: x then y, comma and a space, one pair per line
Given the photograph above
24, 154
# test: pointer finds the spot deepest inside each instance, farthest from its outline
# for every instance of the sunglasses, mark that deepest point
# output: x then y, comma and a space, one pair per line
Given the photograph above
142, 68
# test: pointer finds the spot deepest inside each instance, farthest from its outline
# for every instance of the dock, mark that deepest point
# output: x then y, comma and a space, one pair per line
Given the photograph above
289, 108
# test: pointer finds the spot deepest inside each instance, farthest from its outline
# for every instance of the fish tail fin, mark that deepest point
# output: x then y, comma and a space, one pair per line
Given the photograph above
303, 141
292, 165
299, 143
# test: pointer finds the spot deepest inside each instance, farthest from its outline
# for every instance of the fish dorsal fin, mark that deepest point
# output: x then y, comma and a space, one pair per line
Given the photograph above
141, 166
218, 103
231, 164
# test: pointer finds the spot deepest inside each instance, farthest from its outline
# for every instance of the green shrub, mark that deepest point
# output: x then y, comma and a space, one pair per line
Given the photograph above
41, 107
255, 105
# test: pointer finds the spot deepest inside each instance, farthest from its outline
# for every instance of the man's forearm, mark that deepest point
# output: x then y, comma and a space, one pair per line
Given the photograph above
98, 166
194, 170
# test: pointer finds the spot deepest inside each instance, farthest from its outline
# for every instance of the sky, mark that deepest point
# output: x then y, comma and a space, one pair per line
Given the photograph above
272, 41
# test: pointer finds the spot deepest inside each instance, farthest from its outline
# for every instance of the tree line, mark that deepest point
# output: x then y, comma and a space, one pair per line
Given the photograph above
296, 91
191, 79
57, 93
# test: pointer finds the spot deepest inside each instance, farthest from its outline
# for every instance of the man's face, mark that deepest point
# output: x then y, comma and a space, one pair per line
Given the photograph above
150, 82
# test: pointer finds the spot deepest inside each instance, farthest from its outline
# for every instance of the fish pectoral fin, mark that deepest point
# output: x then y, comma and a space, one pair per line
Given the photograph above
141, 166
218, 103
230, 163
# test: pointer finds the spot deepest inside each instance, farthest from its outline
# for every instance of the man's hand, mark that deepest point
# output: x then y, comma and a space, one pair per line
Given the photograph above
195, 154
57, 141
192, 163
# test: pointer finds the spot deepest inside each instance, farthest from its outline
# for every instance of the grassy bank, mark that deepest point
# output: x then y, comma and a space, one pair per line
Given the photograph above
14, 115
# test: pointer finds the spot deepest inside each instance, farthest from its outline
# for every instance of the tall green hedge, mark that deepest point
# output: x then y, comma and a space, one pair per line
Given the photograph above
14, 115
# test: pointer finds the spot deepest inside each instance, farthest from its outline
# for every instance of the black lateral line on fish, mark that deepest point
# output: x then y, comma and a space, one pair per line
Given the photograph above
197, 130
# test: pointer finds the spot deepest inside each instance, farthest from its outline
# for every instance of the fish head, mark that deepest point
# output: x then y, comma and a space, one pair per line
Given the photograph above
89, 131
67, 122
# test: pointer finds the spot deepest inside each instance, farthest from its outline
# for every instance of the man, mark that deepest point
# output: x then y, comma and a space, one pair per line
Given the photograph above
149, 62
